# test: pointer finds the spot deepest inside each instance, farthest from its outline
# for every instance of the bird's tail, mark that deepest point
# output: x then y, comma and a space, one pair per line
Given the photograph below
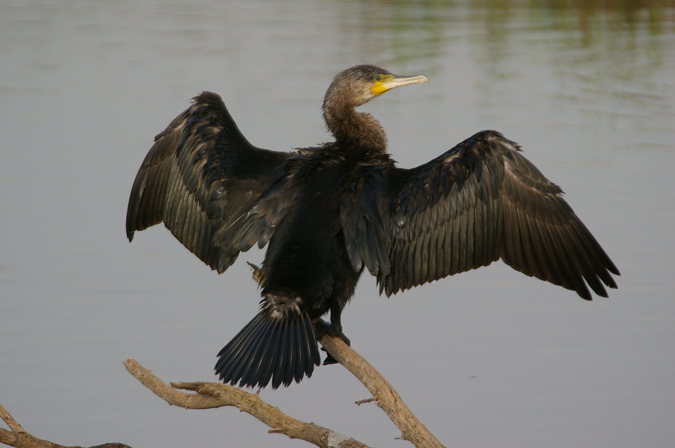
281, 348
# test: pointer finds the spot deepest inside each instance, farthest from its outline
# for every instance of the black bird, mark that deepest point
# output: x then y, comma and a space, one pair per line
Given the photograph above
329, 211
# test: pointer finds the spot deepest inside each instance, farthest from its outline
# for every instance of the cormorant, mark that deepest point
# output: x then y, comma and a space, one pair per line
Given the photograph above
329, 211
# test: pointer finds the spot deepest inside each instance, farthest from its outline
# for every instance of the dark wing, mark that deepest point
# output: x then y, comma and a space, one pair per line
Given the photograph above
259, 222
200, 175
478, 202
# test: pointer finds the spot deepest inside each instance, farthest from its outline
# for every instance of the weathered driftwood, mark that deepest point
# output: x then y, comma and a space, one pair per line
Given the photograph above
212, 395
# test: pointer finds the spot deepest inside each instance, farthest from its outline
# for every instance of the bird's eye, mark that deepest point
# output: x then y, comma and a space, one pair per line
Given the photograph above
377, 78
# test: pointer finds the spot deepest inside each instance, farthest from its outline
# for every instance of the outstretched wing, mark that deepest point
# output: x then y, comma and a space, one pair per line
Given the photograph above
200, 175
476, 203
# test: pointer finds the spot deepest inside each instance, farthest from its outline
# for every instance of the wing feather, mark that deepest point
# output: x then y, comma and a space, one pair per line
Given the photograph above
200, 175
477, 203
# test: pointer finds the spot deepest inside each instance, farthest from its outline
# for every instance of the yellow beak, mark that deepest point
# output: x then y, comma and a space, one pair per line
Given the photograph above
392, 81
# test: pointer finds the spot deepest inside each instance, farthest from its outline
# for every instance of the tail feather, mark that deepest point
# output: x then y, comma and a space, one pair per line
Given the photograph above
267, 357
237, 353
289, 351
297, 364
300, 338
310, 346
267, 367
250, 350
270, 347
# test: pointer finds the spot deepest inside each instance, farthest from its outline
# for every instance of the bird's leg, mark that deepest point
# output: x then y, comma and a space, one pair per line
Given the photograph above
322, 328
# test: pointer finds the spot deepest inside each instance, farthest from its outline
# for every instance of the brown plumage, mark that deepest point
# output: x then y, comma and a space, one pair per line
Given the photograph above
327, 212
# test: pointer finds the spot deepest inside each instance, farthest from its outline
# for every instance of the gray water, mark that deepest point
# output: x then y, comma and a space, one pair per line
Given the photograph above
489, 358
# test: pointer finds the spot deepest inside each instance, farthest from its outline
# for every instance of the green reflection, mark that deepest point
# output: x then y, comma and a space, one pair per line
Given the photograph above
592, 65
414, 31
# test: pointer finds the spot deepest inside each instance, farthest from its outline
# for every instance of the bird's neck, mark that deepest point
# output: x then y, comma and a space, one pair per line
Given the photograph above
353, 128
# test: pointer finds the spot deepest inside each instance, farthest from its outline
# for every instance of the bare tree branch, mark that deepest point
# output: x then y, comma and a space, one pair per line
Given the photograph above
214, 395
20, 438
211, 395
384, 394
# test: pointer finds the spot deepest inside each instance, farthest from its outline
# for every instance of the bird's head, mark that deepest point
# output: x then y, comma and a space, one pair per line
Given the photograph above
359, 84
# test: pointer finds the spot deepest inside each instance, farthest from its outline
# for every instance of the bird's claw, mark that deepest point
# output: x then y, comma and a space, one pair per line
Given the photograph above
323, 328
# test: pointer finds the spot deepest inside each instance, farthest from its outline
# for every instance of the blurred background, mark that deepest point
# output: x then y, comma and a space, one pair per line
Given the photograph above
490, 358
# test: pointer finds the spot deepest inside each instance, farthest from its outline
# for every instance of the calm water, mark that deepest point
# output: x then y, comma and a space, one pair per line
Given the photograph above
487, 359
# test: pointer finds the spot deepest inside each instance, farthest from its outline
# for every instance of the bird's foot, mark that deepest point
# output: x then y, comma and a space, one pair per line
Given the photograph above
322, 328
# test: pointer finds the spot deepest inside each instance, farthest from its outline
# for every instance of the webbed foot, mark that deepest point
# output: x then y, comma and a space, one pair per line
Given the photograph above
321, 328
